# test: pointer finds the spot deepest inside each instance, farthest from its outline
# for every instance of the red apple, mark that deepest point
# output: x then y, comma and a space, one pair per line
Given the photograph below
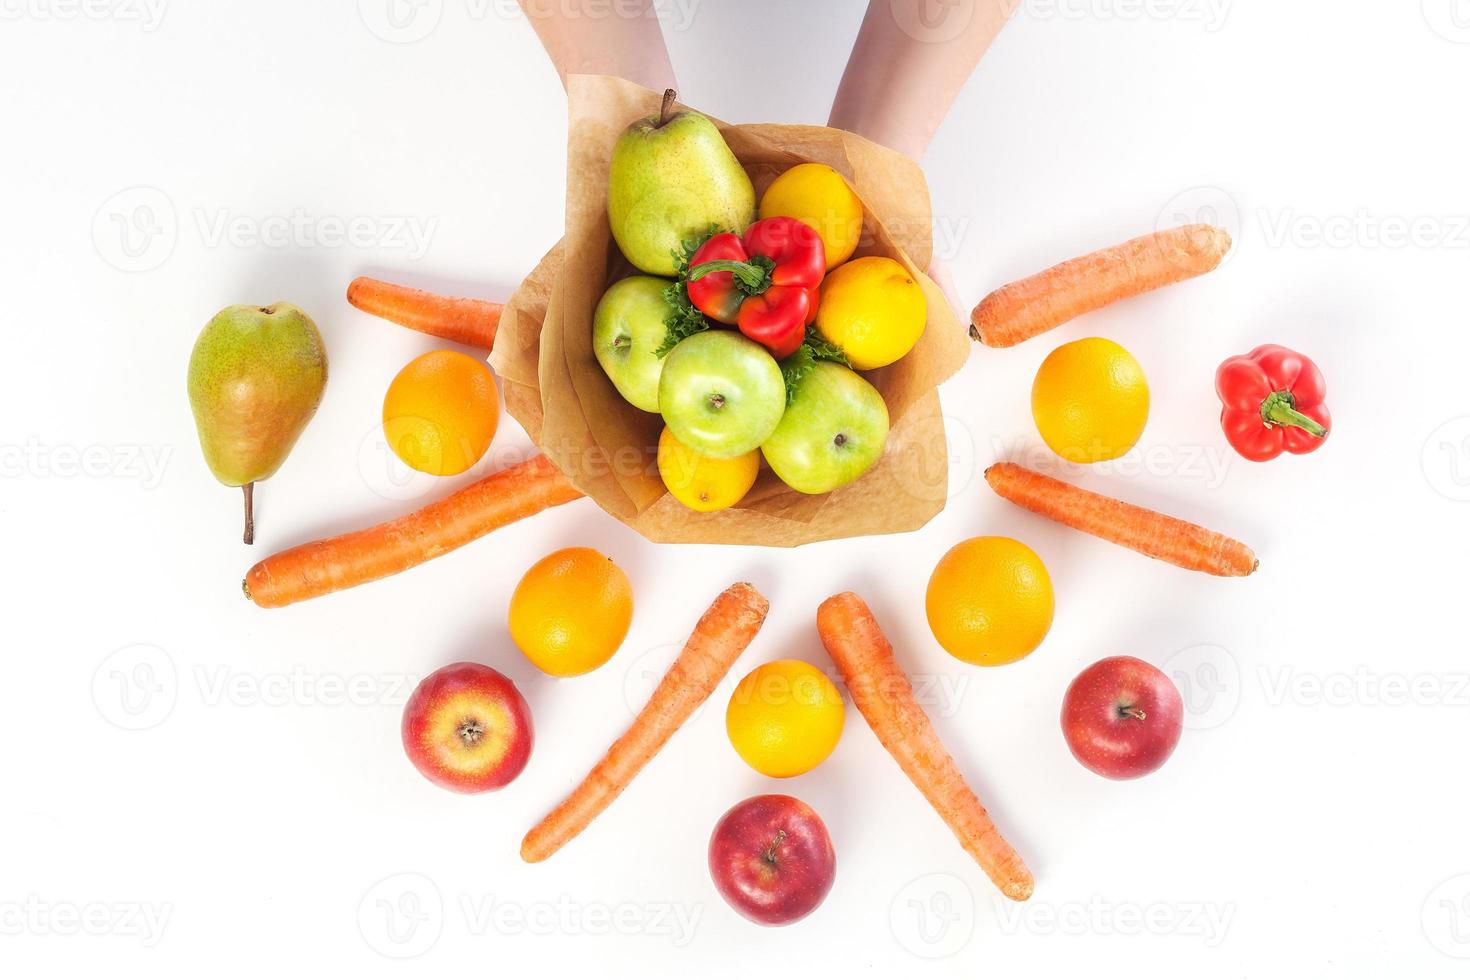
467, 728
771, 859
1122, 717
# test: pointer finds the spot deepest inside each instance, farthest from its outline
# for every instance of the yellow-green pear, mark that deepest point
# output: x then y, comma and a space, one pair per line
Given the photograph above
672, 178
255, 379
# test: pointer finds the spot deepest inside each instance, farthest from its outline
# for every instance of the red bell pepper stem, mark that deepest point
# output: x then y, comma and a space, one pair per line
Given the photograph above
751, 278
1279, 408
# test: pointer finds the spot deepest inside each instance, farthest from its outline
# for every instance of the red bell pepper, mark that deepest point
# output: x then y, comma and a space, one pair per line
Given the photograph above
1274, 401
766, 282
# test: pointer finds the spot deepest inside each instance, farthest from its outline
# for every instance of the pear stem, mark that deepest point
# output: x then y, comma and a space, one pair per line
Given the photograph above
667, 107
250, 513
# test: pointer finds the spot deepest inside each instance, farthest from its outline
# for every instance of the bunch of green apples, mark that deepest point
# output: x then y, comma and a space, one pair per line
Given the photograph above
819, 425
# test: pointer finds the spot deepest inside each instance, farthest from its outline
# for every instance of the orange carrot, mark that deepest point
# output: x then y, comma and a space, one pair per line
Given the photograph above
1145, 531
464, 321
1049, 299
882, 692
723, 633
321, 567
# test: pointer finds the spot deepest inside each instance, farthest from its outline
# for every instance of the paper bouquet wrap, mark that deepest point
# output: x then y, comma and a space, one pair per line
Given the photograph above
556, 389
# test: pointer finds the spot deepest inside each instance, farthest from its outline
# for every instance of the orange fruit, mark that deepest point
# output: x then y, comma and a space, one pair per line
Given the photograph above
1090, 400
441, 412
784, 718
990, 601
571, 611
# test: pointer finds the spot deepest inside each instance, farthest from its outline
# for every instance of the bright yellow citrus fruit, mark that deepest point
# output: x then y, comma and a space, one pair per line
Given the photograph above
815, 194
990, 601
571, 611
873, 309
1090, 400
705, 483
441, 412
784, 718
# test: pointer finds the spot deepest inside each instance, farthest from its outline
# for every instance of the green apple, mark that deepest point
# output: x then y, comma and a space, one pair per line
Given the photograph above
832, 433
721, 394
627, 331
672, 177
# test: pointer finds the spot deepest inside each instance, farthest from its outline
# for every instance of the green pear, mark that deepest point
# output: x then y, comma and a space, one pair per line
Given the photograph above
672, 178
255, 379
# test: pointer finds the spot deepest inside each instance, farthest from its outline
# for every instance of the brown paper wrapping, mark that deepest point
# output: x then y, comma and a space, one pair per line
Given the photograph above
556, 389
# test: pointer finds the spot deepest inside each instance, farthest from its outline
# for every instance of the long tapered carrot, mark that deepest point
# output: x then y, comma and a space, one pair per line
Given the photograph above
882, 692
723, 633
1048, 299
464, 321
325, 566
1146, 531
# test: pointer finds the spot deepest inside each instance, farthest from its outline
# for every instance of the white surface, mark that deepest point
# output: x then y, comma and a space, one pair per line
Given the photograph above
266, 821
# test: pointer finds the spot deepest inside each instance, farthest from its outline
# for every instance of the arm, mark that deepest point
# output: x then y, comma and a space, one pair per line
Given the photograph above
592, 37
911, 59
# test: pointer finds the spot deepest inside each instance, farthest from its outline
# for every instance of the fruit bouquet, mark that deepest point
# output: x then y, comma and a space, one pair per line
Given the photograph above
705, 376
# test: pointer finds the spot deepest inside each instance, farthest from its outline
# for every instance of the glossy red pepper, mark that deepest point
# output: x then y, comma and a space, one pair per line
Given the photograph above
1274, 401
764, 282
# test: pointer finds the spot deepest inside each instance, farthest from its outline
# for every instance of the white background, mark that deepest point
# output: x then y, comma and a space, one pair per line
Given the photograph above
1312, 821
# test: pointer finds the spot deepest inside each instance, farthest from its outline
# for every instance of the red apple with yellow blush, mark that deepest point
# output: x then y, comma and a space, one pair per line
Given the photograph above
467, 728
771, 859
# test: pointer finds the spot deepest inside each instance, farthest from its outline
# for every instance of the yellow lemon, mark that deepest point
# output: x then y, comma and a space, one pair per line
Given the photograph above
571, 611
990, 601
705, 483
873, 309
1090, 400
784, 718
441, 412
815, 194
